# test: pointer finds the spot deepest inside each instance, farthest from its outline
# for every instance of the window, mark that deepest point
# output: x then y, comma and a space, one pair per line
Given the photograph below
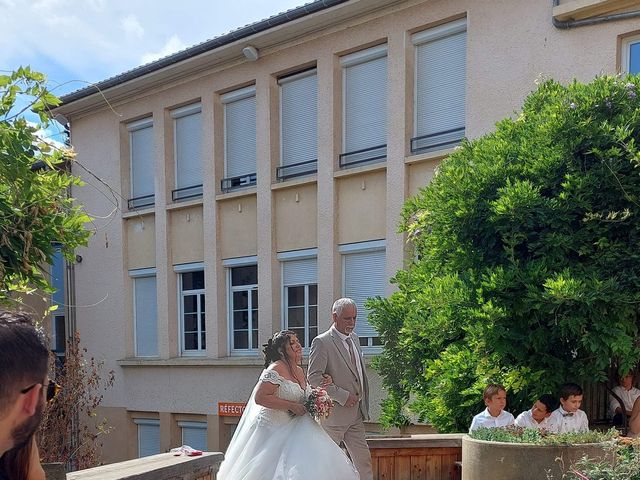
239, 138
148, 436
440, 82
194, 434
298, 125
363, 273
58, 320
364, 106
145, 310
300, 295
142, 164
187, 127
243, 308
192, 312
631, 55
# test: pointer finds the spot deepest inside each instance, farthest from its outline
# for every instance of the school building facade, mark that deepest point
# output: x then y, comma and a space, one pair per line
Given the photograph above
240, 186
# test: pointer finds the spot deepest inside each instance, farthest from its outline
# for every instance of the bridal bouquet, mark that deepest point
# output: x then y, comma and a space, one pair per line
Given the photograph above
319, 403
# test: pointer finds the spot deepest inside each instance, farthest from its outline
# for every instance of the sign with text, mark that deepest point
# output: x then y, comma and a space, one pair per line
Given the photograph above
230, 409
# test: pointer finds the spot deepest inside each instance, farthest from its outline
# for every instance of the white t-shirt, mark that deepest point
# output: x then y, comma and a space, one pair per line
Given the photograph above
486, 420
567, 422
526, 420
628, 397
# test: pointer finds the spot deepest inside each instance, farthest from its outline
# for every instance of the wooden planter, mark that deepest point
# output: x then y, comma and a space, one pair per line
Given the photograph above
483, 460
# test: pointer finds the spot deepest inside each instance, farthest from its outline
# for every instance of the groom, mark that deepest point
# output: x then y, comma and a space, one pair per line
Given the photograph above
337, 352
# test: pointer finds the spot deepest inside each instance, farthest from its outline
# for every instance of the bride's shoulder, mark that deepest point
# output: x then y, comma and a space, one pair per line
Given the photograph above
273, 373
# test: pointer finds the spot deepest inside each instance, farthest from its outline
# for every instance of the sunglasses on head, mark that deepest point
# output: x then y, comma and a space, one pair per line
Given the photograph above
52, 389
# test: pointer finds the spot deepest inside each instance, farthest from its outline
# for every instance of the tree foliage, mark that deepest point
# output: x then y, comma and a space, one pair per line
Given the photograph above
526, 267
35, 210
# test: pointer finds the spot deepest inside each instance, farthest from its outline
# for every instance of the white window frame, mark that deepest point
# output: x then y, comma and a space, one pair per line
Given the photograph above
282, 82
194, 426
358, 58
626, 51
200, 294
227, 99
150, 422
361, 247
176, 114
419, 39
133, 127
134, 274
284, 257
229, 264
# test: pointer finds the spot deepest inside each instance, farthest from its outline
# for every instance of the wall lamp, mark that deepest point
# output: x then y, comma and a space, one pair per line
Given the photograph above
251, 53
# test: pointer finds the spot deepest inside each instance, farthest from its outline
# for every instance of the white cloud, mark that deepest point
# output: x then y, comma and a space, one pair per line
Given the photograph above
131, 26
173, 45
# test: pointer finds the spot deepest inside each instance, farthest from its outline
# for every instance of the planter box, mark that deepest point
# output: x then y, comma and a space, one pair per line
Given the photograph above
483, 460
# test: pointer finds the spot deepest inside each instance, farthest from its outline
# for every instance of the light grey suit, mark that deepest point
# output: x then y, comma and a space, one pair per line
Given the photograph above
345, 424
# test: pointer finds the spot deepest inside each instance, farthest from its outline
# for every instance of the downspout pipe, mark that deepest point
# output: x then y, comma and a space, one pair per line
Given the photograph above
591, 21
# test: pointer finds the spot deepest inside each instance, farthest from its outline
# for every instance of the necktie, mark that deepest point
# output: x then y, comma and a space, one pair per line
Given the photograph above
351, 354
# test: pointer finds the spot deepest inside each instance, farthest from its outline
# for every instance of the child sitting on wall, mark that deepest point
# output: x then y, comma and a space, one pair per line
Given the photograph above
568, 417
539, 416
495, 398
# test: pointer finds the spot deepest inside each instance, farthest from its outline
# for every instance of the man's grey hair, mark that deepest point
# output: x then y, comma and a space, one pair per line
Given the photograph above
340, 304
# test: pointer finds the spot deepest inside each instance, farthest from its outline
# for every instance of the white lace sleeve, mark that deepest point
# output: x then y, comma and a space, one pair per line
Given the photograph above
271, 376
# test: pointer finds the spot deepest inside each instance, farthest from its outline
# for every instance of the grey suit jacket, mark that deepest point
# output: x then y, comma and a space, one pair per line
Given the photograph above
328, 355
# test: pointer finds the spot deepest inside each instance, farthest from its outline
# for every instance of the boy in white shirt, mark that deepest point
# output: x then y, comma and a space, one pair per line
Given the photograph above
568, 417
495, 398
628, 394
539, 416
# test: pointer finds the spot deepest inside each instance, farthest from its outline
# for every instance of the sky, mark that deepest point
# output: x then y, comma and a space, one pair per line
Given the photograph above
76, 42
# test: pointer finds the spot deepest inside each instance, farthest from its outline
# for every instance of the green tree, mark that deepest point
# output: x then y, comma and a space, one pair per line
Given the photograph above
526, 267
35, 209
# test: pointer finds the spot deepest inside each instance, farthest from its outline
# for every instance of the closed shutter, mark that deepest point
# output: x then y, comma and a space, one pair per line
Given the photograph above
57, 279
188, 146
364, 277
148, 437
240, 132
194, 434
441, 82
146, 319
299, 118
142, 171
300, 272
365, 99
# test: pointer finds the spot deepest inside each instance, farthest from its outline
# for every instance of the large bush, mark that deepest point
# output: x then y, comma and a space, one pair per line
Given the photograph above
526, 267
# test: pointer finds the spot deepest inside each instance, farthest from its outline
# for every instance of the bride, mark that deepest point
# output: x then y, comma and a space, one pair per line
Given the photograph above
276, 439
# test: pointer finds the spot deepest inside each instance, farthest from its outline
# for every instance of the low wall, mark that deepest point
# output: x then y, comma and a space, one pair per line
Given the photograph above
483, 460
164, 466
425, 456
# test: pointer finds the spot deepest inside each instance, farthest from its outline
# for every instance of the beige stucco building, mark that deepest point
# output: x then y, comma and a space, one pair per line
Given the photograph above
260, 175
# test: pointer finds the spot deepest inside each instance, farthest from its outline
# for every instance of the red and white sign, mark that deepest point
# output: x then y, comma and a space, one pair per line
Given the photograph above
230, 409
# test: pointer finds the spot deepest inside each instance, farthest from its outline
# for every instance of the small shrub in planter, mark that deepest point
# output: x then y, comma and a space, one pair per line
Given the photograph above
625, 467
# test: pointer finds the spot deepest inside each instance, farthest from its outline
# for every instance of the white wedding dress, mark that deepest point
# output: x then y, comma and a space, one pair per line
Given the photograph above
271, 445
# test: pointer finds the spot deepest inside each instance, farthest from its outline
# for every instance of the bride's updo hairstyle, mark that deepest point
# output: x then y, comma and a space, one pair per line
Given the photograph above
274, 349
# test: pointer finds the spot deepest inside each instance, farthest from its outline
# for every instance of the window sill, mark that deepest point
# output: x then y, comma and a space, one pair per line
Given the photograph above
428, 156
139, 212
295, 182
245, 192
192, 361
376, 167
177, 205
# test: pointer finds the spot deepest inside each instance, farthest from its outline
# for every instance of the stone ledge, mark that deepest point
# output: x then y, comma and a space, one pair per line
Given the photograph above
427, 440
164, 466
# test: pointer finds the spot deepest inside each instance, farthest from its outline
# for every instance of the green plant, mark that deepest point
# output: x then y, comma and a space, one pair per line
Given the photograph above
35, 210
515, 434
526, 267
625, 467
